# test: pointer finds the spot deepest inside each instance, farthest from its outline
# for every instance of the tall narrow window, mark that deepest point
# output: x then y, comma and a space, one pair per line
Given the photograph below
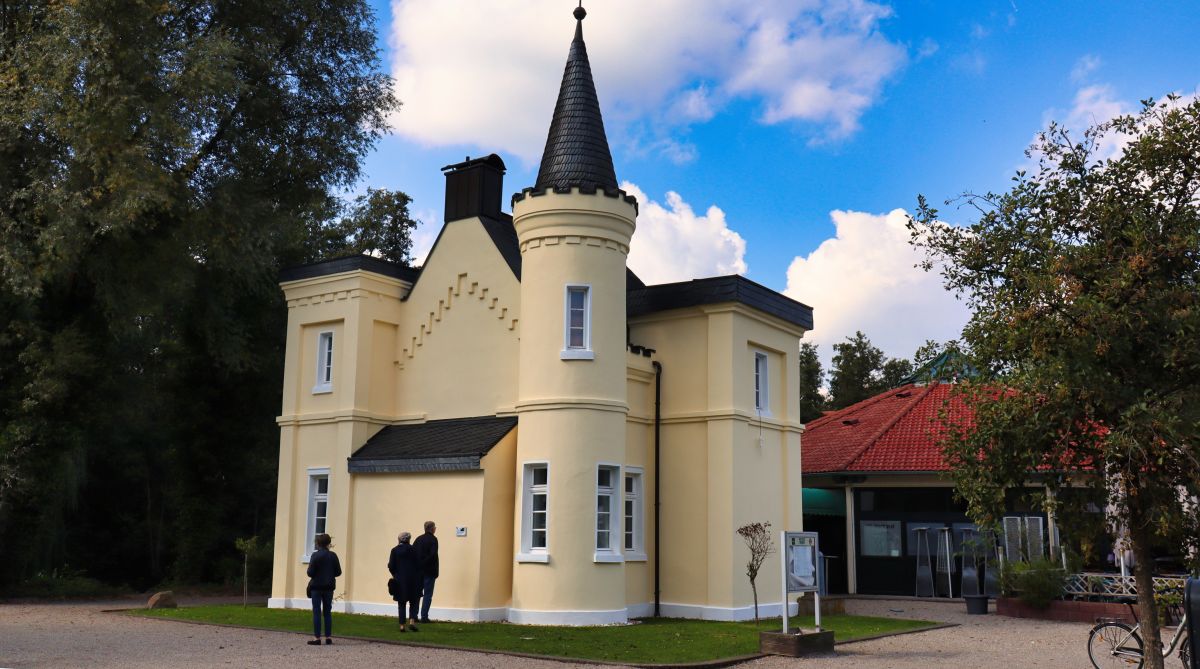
761, 383
607, 518
318, 507
535, 518
324, 363
634, 527
577, 339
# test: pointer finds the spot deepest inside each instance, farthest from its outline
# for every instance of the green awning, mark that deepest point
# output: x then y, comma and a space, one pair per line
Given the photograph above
824, 502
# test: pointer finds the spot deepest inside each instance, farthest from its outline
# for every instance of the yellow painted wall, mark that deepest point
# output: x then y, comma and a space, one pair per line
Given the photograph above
458, 342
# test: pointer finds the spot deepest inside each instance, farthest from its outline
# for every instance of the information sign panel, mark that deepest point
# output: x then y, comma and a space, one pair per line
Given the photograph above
801, 554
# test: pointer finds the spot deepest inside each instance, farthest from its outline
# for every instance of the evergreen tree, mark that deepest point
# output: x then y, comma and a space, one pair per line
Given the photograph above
812, 377
857, 364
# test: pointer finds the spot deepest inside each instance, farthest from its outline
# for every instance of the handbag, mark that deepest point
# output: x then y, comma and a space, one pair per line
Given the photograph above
392, 587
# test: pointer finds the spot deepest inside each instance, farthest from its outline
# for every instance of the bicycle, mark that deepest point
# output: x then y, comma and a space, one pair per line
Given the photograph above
1113, 643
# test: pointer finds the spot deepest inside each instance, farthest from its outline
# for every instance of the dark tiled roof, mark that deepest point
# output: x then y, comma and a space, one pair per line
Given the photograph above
895, 431
715, 290
438, 445
349, 264
577, 151
504, 236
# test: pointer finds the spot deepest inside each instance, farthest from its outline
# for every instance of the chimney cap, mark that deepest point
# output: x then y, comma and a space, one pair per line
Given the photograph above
491, 160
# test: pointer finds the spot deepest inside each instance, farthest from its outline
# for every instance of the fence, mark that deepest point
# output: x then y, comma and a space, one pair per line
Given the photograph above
1089, 584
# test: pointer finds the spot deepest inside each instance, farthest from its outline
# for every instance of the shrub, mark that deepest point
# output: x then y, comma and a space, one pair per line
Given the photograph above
1036, 583
63, 583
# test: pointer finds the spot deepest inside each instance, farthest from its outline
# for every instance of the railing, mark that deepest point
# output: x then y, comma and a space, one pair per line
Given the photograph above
1090, 584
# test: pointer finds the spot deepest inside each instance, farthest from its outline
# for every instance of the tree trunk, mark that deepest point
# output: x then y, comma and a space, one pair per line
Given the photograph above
754, 589
1143, 574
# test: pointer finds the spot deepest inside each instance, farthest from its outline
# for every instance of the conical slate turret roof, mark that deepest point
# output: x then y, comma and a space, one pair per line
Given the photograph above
576, 149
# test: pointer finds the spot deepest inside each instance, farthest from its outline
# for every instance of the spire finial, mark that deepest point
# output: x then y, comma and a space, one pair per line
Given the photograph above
580, 12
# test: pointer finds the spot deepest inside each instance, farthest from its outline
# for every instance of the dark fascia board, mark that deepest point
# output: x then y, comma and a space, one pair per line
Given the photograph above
349, 264
415, 465
714, 290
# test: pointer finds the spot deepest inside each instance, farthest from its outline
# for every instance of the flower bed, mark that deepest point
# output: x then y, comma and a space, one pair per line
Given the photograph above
1066, 611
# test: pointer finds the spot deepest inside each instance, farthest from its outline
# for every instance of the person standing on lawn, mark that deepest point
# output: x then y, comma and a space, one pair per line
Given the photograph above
406, 571
323, 570
427, 553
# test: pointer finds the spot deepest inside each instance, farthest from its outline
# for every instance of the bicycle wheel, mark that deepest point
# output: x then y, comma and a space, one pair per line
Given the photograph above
1185, 654
1115, 646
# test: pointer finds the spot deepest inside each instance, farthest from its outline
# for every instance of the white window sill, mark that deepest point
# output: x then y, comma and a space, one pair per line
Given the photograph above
543, 558
577, 354
635, 557
608, 557
322, 389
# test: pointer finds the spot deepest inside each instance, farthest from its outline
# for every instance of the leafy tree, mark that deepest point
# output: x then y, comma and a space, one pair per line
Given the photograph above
158, 164
856, 364
377, 223
861, 371
812, 377
1084, 282
893, 373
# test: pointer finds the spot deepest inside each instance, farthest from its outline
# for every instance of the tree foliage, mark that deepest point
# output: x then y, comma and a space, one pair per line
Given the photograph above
860, 371
159, 163
1084, 283
812, 377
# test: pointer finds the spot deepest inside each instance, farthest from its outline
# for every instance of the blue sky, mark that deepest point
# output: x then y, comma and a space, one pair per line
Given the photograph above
744, 125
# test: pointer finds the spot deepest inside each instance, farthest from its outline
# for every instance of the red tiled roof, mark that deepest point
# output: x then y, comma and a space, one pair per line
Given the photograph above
895, 431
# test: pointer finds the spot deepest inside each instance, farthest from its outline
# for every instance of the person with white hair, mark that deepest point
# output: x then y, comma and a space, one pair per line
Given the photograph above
405, 585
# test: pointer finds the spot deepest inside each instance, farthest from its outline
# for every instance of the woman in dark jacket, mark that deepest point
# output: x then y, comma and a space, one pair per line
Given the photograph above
406, 570
323, 570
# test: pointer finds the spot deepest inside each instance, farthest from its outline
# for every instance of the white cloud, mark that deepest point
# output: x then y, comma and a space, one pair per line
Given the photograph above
487, 73
673, 243
928, 48
425, 234
1084, 66
864, 278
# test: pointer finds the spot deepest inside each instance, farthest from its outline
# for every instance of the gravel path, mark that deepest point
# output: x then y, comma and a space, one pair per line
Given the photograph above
65, 636
80, 635
977, 642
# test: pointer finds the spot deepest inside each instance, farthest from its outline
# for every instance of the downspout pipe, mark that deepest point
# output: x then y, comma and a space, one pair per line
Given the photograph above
657, 484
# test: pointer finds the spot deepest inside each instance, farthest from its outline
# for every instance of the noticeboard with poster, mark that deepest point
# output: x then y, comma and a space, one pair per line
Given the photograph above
800, 551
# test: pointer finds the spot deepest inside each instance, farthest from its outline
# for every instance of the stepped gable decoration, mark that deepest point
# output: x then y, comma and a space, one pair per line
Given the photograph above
576, 153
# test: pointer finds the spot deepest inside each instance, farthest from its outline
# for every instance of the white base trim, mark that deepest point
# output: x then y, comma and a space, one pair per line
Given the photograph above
527, 617
640, 610
700, 612
570, 618
496, 614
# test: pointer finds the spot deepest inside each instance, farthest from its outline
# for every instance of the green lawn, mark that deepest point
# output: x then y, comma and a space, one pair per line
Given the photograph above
651, 640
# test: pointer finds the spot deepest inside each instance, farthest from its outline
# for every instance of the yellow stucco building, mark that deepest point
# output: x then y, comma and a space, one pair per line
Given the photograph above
587, 444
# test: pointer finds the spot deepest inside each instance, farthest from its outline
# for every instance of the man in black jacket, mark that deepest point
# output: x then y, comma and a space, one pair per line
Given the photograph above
323, 570
426, 546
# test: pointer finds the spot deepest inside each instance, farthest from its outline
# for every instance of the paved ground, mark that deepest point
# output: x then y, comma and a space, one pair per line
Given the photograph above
978, 642
80, 635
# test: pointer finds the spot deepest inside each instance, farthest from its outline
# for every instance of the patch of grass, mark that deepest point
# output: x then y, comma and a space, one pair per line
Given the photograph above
650, 640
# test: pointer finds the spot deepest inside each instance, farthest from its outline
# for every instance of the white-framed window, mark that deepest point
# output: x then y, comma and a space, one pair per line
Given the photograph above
762, 384
535, 520
608, 518
634, 525
324, 382
577, 323
318, 509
